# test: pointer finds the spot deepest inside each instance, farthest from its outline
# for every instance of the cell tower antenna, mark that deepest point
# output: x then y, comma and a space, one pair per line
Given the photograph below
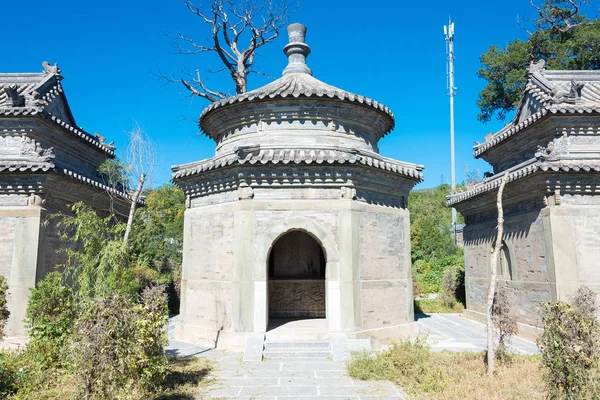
449, 34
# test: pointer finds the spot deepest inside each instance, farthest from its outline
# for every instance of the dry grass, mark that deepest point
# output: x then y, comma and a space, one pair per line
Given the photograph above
449, 375
187, 378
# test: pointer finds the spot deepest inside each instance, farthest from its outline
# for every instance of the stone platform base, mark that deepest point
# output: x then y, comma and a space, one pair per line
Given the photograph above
384, 336
236, 341
526, 331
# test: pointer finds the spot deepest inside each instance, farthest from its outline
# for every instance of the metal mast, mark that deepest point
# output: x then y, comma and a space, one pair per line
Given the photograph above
449, 33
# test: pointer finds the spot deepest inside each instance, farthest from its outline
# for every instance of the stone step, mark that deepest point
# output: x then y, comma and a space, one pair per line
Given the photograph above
296, 353
293, 344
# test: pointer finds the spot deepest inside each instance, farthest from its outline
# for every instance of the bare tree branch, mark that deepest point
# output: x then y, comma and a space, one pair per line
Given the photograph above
560, 19
237, 30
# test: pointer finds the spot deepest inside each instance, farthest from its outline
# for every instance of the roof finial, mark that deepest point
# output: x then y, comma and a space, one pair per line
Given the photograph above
296, 51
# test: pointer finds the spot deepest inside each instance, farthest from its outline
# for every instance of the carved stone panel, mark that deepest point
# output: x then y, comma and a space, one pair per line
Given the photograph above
296, 298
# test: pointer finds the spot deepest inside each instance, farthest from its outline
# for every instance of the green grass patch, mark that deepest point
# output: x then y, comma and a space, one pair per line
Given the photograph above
428, 306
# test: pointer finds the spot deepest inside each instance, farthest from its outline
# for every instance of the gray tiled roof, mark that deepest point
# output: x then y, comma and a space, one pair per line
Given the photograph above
299, 156
522, 170
38, 90
297, 85
554, 91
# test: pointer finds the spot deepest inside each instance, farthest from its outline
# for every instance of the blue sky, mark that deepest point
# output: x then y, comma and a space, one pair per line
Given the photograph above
392, 51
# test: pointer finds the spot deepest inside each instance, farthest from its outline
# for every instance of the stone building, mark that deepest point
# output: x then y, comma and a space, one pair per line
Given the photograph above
297, 215
46, 164
551, 150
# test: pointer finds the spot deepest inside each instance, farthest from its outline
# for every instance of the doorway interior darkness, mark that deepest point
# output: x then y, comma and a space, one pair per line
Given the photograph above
296, 277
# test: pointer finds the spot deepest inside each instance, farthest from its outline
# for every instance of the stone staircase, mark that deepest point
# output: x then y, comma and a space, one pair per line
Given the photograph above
295, 349
334, 346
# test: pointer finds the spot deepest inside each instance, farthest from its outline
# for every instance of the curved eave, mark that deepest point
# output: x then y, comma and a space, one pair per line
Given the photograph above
295, 86
299, 156
95, 184
521, 171
510, 131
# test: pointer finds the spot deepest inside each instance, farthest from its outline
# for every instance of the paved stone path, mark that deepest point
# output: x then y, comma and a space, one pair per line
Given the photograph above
326, 379
456, 333
283, 379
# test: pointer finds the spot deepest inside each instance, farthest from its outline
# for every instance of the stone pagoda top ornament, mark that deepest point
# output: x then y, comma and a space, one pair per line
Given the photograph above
297, 82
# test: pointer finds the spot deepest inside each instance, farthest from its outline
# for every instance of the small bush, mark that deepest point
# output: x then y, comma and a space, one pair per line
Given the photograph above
50, 318
570, 345
118, 344
407, 362
152, 317
4, 313
8, 373
449, 285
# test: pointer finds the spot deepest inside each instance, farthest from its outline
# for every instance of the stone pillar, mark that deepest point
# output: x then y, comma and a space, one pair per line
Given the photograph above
23, 272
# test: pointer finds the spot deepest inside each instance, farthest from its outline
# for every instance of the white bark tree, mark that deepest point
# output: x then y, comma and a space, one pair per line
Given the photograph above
141, 162
237, 30
132, 175
496, 248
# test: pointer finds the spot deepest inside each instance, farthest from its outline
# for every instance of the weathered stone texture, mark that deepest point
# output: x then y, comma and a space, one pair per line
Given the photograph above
210, 245
7, 240
383, 246
587, 242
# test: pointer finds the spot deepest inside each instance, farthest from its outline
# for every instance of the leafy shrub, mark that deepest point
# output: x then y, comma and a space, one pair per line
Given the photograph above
97, 262
570, 345
429, 272
449, 285
50, 317
4, 313
8, 373
152, 317
118, 344
505, 323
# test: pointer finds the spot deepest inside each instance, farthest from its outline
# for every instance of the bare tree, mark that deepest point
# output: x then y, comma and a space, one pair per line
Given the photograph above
130, 176
237, 30
496, 248
141, 161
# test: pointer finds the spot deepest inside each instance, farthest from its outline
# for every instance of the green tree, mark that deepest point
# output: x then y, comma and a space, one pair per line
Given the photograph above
430, 223
96, 262
562, 35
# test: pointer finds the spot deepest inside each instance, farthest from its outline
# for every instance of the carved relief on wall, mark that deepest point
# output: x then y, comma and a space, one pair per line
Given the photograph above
291, 298
23, 147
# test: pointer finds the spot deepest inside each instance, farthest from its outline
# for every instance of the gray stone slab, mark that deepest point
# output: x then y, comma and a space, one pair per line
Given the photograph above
456, 333
312, 365
330, 374
321, 382
376, 389
339, 347
249, 382
254, 347
218, 392
279, 391
285, 374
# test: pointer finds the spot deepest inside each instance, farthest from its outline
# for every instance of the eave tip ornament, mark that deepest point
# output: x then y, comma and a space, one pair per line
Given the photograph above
296, 51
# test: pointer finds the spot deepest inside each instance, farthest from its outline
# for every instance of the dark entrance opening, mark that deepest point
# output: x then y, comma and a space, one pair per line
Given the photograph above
296, 277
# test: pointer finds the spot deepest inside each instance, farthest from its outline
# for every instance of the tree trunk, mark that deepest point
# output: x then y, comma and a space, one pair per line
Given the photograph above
493, 266
134, 200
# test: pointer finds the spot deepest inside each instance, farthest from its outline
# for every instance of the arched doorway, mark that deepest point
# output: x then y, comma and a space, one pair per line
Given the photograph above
296, 277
